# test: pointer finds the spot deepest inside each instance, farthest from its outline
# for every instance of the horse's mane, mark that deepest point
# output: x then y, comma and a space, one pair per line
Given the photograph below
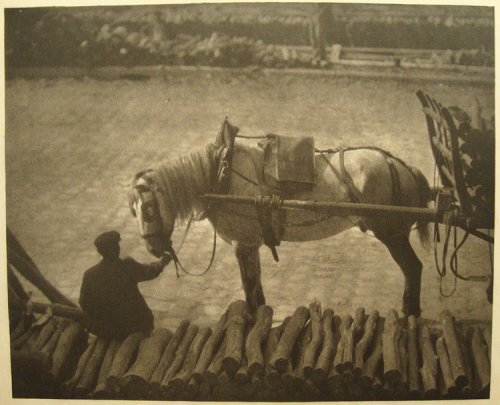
184, 179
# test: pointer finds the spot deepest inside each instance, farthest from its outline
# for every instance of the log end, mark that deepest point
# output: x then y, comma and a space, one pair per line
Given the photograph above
231, 365
461, 381
392, 376
281, 364
177, 384
256, 368
134, 387
318, 375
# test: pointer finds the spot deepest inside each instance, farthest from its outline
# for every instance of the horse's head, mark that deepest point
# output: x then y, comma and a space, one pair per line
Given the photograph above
156, 221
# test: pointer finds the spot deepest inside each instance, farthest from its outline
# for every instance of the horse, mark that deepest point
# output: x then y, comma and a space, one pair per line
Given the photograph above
173, 192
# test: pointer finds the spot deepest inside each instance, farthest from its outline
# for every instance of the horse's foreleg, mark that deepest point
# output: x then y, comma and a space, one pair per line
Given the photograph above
249, 261
405, 257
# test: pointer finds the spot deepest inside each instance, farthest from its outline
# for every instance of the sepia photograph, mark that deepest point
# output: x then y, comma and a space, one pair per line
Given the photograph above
249, 201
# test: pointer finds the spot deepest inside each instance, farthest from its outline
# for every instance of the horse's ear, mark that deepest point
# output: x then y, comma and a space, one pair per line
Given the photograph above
226, 135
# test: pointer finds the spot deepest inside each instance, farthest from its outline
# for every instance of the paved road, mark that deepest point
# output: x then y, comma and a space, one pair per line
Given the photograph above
72, 147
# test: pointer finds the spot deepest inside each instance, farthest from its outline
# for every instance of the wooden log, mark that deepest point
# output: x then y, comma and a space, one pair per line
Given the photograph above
445, 368
352, 335
298, 377
16, 285
32, 274
51, 345
215, 367
68, 387
90, 374
20, 341
103, 389
179, 382
325, 357
402, 390
390, 337
374, 359
71, 339
413, 359
454, 350
237, 318
311, 351
61, 310
466, 352
487, 334
23, 325
180, 355
338, 360
280, 357
481, 362
135, 382
364, 343
210, 348
168, 355
429, 369
46, 332
255, 338
242, 376
124, 358
271, 375
28, 344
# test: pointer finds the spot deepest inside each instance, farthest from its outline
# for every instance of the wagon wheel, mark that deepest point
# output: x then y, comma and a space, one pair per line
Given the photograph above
444, 135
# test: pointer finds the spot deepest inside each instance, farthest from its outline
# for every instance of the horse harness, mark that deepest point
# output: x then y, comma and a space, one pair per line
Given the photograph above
265, 205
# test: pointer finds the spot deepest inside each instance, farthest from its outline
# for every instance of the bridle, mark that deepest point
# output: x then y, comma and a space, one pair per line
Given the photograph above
153, 214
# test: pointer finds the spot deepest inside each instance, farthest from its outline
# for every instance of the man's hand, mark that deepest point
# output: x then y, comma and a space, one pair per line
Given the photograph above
166, 258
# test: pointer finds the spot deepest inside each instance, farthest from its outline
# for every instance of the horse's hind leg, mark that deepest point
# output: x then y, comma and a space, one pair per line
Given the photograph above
249, 262
404, 255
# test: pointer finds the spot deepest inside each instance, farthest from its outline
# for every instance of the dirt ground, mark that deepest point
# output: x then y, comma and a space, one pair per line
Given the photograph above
73, 145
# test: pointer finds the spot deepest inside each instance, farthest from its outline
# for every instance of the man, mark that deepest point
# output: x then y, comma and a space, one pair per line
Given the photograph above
110, 298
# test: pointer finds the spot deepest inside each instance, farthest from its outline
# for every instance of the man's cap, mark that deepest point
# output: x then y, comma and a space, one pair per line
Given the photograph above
107, 238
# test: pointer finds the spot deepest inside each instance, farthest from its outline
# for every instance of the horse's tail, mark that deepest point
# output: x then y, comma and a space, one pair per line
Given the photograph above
424, 197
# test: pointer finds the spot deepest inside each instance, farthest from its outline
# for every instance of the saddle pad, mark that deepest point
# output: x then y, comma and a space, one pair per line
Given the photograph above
290, 160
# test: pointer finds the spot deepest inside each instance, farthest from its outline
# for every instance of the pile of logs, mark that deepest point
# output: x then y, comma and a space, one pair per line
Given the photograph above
311, 355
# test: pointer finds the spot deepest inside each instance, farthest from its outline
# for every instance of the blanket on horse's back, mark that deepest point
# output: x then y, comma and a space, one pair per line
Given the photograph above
289, 162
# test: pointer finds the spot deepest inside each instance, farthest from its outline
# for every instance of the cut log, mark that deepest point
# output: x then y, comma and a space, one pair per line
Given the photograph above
487, 333
51, 345
298, 377
21, 340
311, 351
281, 357
402, 387
364, 343
71, 341
256, 337
47, 330
374, 359
68, 387
215, 367
352, 335
390, 337
35, 333
481, 362
413, 359
168, 355
135, 382
237, 318
179, 382
210, 348
124, 358
429, 370
445, 368
180, 355
338, 361
242, 376
325, 357
454, 350
271, 375
103, 389
91, 372
23, 325
466, 354
32, 274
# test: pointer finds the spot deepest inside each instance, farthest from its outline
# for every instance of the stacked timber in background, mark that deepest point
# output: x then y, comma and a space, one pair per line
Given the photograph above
311, 355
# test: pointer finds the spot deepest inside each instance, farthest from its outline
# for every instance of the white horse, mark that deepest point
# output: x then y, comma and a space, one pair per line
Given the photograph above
174, 189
